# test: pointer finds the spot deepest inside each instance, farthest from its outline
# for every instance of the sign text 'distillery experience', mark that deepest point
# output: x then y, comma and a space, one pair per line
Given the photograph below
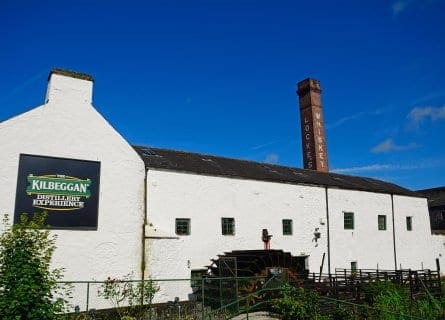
58, 192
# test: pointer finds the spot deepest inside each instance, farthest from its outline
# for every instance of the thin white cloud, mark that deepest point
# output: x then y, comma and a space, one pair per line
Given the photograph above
21, 87
389, 146
398, 6
355, 116
392, 167
272, 158
418, 114
372, 167
260, 146
428, 97
343, 120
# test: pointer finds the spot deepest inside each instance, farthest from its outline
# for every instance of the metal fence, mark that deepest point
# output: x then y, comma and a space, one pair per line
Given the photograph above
218, 298
86, 295
173, 296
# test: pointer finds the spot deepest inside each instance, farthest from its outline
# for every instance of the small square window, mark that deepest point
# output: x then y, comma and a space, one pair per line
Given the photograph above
228, 226
381, 222
287, 227
353, 266
182, 226
409, 223
348, 220
196, 277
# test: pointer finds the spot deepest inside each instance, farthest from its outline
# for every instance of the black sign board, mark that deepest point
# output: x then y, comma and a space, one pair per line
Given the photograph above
67, 189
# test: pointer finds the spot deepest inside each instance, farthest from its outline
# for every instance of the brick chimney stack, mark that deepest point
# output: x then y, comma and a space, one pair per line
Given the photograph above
312, 126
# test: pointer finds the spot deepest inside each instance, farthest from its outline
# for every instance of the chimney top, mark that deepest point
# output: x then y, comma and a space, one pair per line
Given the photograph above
307, 85
71, 73
69, 86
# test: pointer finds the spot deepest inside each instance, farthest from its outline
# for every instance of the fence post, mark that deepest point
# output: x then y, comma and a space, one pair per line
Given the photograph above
438, 275
202, 297
410, 284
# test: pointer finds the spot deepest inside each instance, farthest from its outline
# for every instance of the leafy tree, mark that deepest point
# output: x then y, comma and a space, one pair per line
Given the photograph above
28, 288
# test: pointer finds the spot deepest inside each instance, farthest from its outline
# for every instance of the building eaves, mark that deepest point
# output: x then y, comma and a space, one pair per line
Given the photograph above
181, 161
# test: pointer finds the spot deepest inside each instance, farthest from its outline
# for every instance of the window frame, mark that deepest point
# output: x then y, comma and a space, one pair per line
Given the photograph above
409, 223
354, 266
287, 227
348, 220
182, 220
379, 226
228, 226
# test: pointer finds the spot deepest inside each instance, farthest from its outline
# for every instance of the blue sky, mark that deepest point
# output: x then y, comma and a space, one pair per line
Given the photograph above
219, 77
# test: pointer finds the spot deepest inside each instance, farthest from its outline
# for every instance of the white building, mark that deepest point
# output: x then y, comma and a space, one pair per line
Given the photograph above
162, 213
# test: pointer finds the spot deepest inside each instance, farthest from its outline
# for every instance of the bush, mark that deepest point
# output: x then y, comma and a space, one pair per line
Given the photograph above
131, 300
391, 301
297, 303
27, 285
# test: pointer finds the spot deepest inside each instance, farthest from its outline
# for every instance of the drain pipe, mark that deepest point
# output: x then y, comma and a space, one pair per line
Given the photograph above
143, 225
393, 232
327, 223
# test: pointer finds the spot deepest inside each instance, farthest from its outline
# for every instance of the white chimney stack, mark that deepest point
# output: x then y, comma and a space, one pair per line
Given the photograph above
69, 86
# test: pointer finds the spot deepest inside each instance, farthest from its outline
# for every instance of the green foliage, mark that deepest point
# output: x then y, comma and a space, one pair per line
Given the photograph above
297, 303
429, 308
381, 301
392, 302
389, 299
343, 312
28, 288
131, 299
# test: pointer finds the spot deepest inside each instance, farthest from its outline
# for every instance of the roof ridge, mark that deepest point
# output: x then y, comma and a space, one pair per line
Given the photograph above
176, 160
225, 157
442, 188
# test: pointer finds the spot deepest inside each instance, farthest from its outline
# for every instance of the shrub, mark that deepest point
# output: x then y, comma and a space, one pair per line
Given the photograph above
129, 298
27, 285
391, 301
297, 303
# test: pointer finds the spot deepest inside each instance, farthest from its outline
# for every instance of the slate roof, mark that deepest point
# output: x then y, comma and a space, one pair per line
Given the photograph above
181, 161
436, 196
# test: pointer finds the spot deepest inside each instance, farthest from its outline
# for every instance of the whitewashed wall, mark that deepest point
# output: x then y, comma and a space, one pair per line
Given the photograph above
414, 248
255, 205
438, 247
365, 244
68, 126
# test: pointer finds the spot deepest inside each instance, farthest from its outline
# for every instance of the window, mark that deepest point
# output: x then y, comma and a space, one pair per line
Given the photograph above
228, 226
182, 226
382, 222
348, 220
353, 266
196, 277
287, 227
409, 223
